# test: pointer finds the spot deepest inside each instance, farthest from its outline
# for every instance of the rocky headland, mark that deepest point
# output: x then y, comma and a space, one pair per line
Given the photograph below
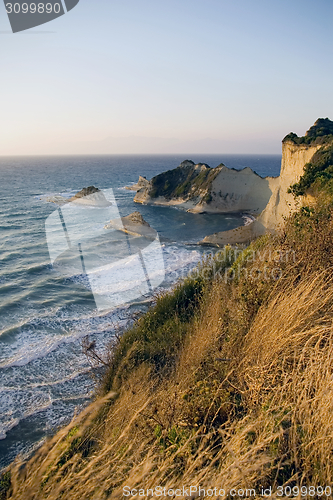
222, 381
280, 203
200, 188
142, 183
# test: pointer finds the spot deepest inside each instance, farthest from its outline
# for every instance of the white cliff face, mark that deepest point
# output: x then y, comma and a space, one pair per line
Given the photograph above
243, 191
239, 191
282, 203
190, 201
230, 191
142, 183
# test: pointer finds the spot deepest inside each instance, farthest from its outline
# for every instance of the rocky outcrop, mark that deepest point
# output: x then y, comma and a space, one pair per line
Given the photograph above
133, 224
142, 183
85, 192
90, 196
280, 204
135, 218
239, 235
239, 191
199, 188
186, 186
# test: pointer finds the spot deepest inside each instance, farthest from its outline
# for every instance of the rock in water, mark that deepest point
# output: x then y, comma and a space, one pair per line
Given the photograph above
135, 218
199, 188
98, 199
86, 192
142, 183
133, 224
90, 196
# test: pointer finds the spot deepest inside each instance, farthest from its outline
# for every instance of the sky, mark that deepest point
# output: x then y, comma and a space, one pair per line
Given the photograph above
166, 76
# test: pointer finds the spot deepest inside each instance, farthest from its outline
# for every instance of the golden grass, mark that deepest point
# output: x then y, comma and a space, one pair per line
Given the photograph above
247, 403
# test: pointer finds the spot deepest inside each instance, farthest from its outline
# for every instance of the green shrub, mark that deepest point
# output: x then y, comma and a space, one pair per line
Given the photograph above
208, 198
320, 133
156, 337
5, 485
317, 174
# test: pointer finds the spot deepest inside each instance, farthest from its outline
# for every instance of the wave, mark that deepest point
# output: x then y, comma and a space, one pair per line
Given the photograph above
36, 338
10, 227
55, 398
9, 425
36, 334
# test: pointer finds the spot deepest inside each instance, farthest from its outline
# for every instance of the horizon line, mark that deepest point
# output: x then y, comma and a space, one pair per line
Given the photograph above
134, 154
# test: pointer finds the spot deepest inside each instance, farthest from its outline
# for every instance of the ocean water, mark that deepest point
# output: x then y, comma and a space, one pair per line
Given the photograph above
44, 375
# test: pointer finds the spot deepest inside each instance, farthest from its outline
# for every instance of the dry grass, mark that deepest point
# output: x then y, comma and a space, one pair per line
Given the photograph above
246, 403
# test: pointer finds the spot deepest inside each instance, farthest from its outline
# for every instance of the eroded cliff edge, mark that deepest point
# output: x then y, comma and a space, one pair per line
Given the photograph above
199, 188
280, 204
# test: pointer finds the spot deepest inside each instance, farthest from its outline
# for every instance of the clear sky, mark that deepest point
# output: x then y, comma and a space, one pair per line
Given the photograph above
166, 76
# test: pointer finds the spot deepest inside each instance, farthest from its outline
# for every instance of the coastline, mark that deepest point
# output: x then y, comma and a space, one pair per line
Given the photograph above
41, 338
171, 388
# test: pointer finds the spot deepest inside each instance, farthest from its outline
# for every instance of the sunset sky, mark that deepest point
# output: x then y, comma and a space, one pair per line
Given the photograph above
166, 76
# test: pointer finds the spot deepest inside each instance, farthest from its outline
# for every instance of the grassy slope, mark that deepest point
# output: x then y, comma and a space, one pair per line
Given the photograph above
225, 381
220, 383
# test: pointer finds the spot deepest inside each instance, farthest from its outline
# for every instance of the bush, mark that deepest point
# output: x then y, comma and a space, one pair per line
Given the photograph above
320, 133
208, 198
317, 174
156, 337
5, 485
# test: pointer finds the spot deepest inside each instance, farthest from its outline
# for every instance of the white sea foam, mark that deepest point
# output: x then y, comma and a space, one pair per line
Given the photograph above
44, 374
248, 219
45, 370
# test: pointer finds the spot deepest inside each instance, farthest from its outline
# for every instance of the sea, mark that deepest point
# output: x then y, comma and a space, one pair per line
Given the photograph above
47, 317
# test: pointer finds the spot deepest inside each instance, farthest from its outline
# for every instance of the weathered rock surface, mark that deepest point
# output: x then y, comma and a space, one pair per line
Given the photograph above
280, 204
90, 196
133, 224
142, 183
85, 192
241, 234
135, 218
199, 188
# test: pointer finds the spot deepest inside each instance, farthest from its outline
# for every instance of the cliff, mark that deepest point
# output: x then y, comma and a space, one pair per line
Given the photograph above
200, 188
280, 203
142, 183
90, 196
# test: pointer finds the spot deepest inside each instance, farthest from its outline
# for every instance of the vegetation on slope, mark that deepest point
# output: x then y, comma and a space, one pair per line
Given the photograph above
227, 381
318, 173
320, 133
184, 181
